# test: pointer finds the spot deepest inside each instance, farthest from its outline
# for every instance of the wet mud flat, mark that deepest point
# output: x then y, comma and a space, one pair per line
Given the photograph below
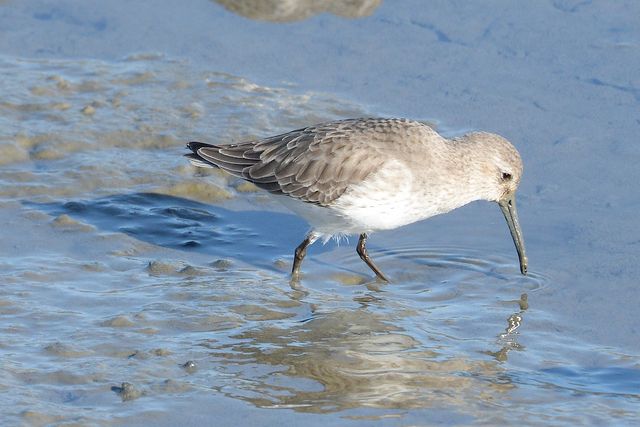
136, 289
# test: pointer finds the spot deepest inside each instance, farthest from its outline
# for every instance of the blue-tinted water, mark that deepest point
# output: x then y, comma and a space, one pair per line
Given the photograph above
121, 263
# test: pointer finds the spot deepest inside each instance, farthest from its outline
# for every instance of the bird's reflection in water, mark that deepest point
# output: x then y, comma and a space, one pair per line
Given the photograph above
297, 10
509, 338
349, 358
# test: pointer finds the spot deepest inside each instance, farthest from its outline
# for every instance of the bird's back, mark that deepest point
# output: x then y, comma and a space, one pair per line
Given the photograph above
317, 164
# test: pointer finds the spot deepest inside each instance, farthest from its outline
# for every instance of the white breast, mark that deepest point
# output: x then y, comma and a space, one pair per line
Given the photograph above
385, 200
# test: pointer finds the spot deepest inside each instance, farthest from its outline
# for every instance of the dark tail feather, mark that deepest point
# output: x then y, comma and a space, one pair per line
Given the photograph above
194, 158
195, 146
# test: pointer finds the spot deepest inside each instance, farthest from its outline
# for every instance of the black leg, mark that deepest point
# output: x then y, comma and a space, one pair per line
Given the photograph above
301, 251
362, 251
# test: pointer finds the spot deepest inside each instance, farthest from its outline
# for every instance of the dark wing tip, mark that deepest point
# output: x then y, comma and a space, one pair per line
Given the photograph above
195, 146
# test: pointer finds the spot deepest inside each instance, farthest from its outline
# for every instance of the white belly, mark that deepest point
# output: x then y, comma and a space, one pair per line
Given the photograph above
385, 200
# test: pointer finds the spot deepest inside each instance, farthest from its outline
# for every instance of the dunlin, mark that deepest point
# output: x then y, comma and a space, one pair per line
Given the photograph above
357, 176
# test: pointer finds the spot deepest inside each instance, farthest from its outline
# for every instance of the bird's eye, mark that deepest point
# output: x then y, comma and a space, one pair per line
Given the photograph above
506, 176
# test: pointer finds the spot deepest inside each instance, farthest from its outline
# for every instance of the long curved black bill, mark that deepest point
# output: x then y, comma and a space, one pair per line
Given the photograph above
508, 207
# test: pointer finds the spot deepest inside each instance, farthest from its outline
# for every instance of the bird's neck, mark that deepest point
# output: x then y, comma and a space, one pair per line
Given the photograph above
462, 184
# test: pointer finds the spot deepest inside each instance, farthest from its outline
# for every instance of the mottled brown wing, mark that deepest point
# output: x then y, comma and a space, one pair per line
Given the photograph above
315, 164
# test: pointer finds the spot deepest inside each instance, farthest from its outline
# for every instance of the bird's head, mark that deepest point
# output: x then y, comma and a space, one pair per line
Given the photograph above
499, 167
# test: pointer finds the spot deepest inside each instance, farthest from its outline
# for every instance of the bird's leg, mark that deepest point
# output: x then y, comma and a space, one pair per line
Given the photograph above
300, 253
362, 251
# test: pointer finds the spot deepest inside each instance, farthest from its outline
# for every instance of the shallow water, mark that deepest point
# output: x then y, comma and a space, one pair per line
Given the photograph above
137, 289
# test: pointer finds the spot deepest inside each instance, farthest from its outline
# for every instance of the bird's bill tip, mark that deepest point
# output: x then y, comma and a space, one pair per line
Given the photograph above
524, 264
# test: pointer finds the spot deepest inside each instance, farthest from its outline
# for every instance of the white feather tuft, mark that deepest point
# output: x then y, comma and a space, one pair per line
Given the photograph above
200, 163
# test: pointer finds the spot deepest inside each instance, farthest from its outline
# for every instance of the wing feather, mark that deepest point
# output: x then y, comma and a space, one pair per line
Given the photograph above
316, 164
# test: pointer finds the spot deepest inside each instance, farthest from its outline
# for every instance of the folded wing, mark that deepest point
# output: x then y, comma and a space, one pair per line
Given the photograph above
315, 164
